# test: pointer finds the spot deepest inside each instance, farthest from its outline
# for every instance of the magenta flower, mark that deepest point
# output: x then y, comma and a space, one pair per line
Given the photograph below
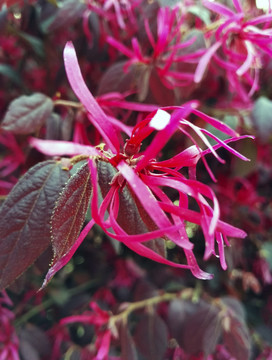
9, 343
14, 158
136, 207
115, 15
238, 45
100, 319
162, 52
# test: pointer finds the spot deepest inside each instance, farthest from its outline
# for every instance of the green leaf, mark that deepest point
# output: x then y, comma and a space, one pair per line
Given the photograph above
200, 12
9, 72
266, 252
231, 121
261, 118
35, 43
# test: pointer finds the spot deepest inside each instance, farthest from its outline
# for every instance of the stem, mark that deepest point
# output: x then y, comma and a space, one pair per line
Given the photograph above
49, 302
213, 25
166, 297
34, 311
76, 159
68, 103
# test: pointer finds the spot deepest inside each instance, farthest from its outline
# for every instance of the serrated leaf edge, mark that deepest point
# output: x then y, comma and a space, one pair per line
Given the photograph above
15, 186
54, 209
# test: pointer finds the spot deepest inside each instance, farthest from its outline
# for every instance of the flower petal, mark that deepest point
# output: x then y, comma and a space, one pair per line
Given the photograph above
196, 271
195, 217
59, 148
204, 60
148, 201
191, 188
218, 8
215, 123
163, 135
188, 157
96, 115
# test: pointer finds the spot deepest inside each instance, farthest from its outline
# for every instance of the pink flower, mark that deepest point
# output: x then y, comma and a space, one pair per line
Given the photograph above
164, 49
115, 16
135, 186
9, 342
100, 319
238, 45
14, 158
126, 273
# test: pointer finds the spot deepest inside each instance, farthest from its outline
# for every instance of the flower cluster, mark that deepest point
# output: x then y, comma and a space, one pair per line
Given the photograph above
135, 185
239, 42
162, 51
139, 153
115, 12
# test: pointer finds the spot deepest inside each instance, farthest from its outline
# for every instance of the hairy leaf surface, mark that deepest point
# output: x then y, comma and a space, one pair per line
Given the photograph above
26, 114
25, 218
70, 211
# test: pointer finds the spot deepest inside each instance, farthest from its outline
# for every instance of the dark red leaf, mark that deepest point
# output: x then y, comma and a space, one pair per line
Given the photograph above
116, 79
43, 261
144, 290
237, 340
195, 326
67, 14
128, 350
28, 352
25, 218
58, 128
236, 336
10, 3
235, 306
34, 342
161, 94
26, 114
151, 336
70, 211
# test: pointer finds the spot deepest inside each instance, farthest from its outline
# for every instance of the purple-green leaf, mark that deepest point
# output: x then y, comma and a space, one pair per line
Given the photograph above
237, 340
195, 326
236, 337
67, 13
128, 350
151, 336
26, 114
25, 218
70, 211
